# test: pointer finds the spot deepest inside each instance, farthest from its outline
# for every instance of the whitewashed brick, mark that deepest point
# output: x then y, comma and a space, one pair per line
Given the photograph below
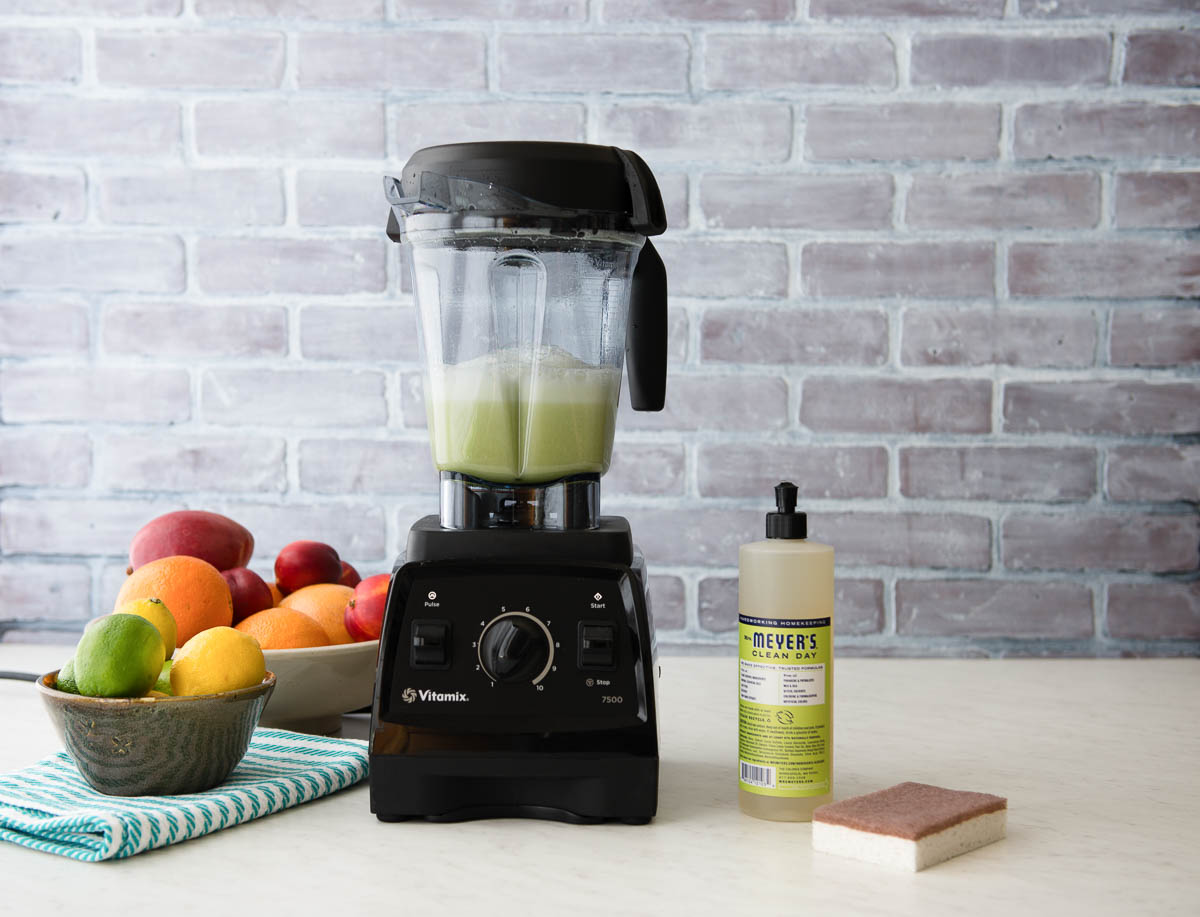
936, 9
540, 10
668, 599
895, 405
1050, 474
1125, 408
190, 60
1154, 611
38, 328
352, 10
291, 265
391, 60
93, 7
164, 330
706, 11
988, 608
290, 127
1170, 200
360, 333
716, 131
293, 397
354, 530
175, 462
797, 201
1141, 542
940, 269
89, 127
1155, 337
980, 337
650, 469
1154, 473
1105, 268
1062, 130
1009, 60
820, 472
151, 264
93, 394
94, 526
726, 403
898, 539
674, 189
422, 124
581, 63
706, 269
39, 56
339, 198
193, 197
820, 337
1072, 9
903, 130
46, 592
789, 60
44, 458
42, 197
1000, 201
367, 466
1163, 58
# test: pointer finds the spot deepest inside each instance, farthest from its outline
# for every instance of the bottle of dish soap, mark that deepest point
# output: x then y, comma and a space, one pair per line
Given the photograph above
785, 662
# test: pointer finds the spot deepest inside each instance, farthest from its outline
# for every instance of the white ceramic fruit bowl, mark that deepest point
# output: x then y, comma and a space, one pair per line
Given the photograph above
315, 685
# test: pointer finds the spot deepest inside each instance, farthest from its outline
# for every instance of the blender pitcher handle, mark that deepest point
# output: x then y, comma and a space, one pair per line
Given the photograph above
646, 335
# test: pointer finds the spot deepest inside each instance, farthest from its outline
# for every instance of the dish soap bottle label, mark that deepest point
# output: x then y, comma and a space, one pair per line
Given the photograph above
783, 715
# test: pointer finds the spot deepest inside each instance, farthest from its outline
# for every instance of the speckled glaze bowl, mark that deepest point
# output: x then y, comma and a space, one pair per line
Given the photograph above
155, 746
317, 684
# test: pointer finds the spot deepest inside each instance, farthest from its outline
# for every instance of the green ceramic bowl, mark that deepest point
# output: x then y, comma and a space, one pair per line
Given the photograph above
155, 746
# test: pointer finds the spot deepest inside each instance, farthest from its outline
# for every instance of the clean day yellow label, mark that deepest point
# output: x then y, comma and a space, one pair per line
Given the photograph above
784, 734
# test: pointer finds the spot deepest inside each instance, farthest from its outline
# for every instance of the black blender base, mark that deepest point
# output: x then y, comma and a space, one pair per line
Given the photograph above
577, 791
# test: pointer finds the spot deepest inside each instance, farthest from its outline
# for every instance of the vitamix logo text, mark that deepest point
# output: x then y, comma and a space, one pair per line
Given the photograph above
408, 695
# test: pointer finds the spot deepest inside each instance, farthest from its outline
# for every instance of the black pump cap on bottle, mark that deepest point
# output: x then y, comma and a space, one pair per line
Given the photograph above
785, 522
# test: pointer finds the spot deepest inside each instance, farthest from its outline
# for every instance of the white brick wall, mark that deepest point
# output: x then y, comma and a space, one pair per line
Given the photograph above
936, 260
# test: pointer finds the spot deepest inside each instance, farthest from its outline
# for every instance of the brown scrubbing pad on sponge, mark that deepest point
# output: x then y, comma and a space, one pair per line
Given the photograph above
910, 825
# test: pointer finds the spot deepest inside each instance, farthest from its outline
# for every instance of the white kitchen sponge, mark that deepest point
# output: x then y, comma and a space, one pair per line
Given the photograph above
910, 825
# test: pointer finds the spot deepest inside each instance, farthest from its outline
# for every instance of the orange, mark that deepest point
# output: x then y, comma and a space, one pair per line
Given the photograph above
326, 604
283, 629
192, 588
276, 595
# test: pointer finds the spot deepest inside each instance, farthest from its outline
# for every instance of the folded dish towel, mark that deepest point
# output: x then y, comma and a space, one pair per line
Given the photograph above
49, 806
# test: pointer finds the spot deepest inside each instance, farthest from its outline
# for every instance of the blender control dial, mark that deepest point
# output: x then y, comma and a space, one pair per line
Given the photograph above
516, 647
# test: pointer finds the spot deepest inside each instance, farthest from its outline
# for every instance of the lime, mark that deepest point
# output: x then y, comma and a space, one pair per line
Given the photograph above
66, 678
119, 655
157, 613
164, 679
216, 660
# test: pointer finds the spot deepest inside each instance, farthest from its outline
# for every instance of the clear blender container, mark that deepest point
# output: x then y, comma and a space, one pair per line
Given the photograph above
527, 306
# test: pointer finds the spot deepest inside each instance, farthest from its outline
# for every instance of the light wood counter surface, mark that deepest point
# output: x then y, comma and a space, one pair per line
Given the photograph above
1099, 759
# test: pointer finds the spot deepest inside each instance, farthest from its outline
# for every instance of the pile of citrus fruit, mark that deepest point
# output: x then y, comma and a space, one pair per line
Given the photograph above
191, 618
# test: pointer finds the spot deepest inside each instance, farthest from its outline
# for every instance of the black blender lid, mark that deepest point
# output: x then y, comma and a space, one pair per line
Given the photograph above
517, 177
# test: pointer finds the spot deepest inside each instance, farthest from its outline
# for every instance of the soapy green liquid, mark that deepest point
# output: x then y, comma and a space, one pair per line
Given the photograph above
506, 428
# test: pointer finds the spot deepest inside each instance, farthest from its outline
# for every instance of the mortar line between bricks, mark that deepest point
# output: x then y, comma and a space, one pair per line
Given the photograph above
822, 27
1120, 44
812, 94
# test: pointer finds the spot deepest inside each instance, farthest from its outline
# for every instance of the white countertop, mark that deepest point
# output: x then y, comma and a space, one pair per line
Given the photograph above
1099, 759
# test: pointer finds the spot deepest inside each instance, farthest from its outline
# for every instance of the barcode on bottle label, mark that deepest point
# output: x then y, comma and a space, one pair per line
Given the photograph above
756, 775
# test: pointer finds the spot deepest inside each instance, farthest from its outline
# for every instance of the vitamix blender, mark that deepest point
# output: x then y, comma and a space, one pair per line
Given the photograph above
516, 664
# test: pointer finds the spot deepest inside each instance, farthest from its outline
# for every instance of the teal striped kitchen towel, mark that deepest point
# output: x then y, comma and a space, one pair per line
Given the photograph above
49, 806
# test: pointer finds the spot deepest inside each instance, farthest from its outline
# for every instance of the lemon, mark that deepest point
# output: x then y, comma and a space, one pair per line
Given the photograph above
163, 685
66, 678
119, 655
157, 613
215, 660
